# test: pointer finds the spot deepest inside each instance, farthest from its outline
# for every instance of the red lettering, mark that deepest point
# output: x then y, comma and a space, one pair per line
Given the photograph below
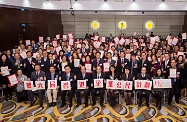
138, 84
147, 85
119, 85
28, 85
40, 85
110, 84
127, 85
81, 84
158, 83
65, 85
98, 82
52, 84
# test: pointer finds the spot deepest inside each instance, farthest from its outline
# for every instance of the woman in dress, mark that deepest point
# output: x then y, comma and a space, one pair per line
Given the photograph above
155, 64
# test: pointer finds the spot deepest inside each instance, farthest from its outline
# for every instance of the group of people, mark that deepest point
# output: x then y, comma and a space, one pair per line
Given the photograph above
145, 63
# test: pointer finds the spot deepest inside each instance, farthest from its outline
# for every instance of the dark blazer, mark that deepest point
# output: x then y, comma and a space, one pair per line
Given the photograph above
109, 39
55, 64
94, 63
35, 78
43, 59
165, 68
108, 75
178, 80
75, 70
73, 82
35, 49
87, 76
145, 64
48, 77
42, 65
147, 77
135, 69
29, 67
86, 50
16, 67
119, 67
112, 62
125, 78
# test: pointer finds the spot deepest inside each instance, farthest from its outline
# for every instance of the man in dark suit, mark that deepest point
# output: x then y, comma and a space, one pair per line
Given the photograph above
98, 75
68, 76
52, 75
83, 49
175, 90
98, 61
50, 61
41, 62
166, 65
44, 58
17, 63
110, 60
110, 38
34, 46
83, 76
144, 63
29, 64
37, 75
143, 76
133, 65
122, 62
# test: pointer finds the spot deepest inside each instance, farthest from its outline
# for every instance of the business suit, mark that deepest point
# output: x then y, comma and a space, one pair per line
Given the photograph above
83, 50
145, 64
109, 39
35, 47
122, 61
141, 77
133, 68
48, 64
95, 63
50, 76
34, 77
112, 62
29, 67
44, 59
101, 90
87, 77
42, 65
165, 68
16, 67
70, 92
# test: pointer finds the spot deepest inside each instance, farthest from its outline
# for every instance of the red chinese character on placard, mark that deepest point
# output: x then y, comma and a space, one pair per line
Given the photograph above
147, 85
52, 84
28, 85
40, 85
65, 85
158, 83
110, 84
127, 85
98, 82
138, 84
119, 85
81, 84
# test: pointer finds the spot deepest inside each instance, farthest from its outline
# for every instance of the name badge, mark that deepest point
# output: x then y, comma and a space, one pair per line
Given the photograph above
86, 79
42, 65
145, 64
54, 64
21, 65
178, 73
35, 48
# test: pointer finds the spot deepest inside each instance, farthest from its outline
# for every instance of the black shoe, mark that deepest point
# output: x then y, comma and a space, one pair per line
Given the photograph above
86, 104
101, 104
41, 105
177, 102
70, 105
139, 105
93, 104
159, 107
147, 104
62, 105
54, 104
77, 105
31, 104
6, 98
50, 104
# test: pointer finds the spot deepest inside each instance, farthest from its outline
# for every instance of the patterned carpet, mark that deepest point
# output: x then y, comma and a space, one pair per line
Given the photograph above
11, 111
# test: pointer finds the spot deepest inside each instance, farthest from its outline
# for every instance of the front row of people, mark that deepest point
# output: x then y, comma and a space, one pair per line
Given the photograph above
39, 75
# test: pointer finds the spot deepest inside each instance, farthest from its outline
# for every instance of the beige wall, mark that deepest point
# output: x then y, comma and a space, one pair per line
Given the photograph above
81, 24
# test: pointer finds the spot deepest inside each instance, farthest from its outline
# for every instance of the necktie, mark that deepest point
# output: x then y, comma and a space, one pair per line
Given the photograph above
122, 61
166, 64
37, 75
67, 77
51, 62
142, 62
97, 62
132, 67
52, 76
98, 76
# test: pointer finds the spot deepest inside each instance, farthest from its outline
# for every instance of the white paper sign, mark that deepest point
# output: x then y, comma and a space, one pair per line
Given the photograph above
88, 68
127, 41
76, 62
65, 37
13, 79
41, 39
71, 41
28, 85
152, 40
96, 38
70, 35
122, 41
63, 65
54, 43
40, 85
58, 36
143, 84
98, 83
23, 54
173, 73
183, 35
162, 83
52, 84
79, 46
27, 42
103, 39
5, 71
128, 56
65, 85
116, 39
106, 67
58, 49
97, 44
81, 84
35, 54
110, 84
175, 41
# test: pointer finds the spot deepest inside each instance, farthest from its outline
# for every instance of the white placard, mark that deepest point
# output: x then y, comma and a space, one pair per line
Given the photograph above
116, 39
5, 71
96, 37
40, 85
76, 62
65, 85
58, 36
122, 41
143, 84
110, 84
63, 65
23, 54
96, 44
103, 39
106, 67
183, 35
162, 83
175, 41
54, 43
172, 73
71, 41
127, 41
70, 35
65, 37
98, 83
41, 39
58, 49
52, 84
81, 84
13, 79
35, 54
152, 40
79, 46
27, 42
128, 56
88, 68
28, 85
48, 38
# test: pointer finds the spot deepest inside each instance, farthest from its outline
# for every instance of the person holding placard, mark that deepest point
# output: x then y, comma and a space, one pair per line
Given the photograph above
83, 76
133, 64
83, 48
21, 94
50, 61
29, 64
52, 75
143, 76
75, 63
174, 74
144, 63
158, 91
17, 63
44, 56
98, 61
35, 46
5, 66
113, 75
68, 76
166, 64
37, 75
41, 62
122, 62
110, 60
63, 64
98, 75
126, 76
155, 64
